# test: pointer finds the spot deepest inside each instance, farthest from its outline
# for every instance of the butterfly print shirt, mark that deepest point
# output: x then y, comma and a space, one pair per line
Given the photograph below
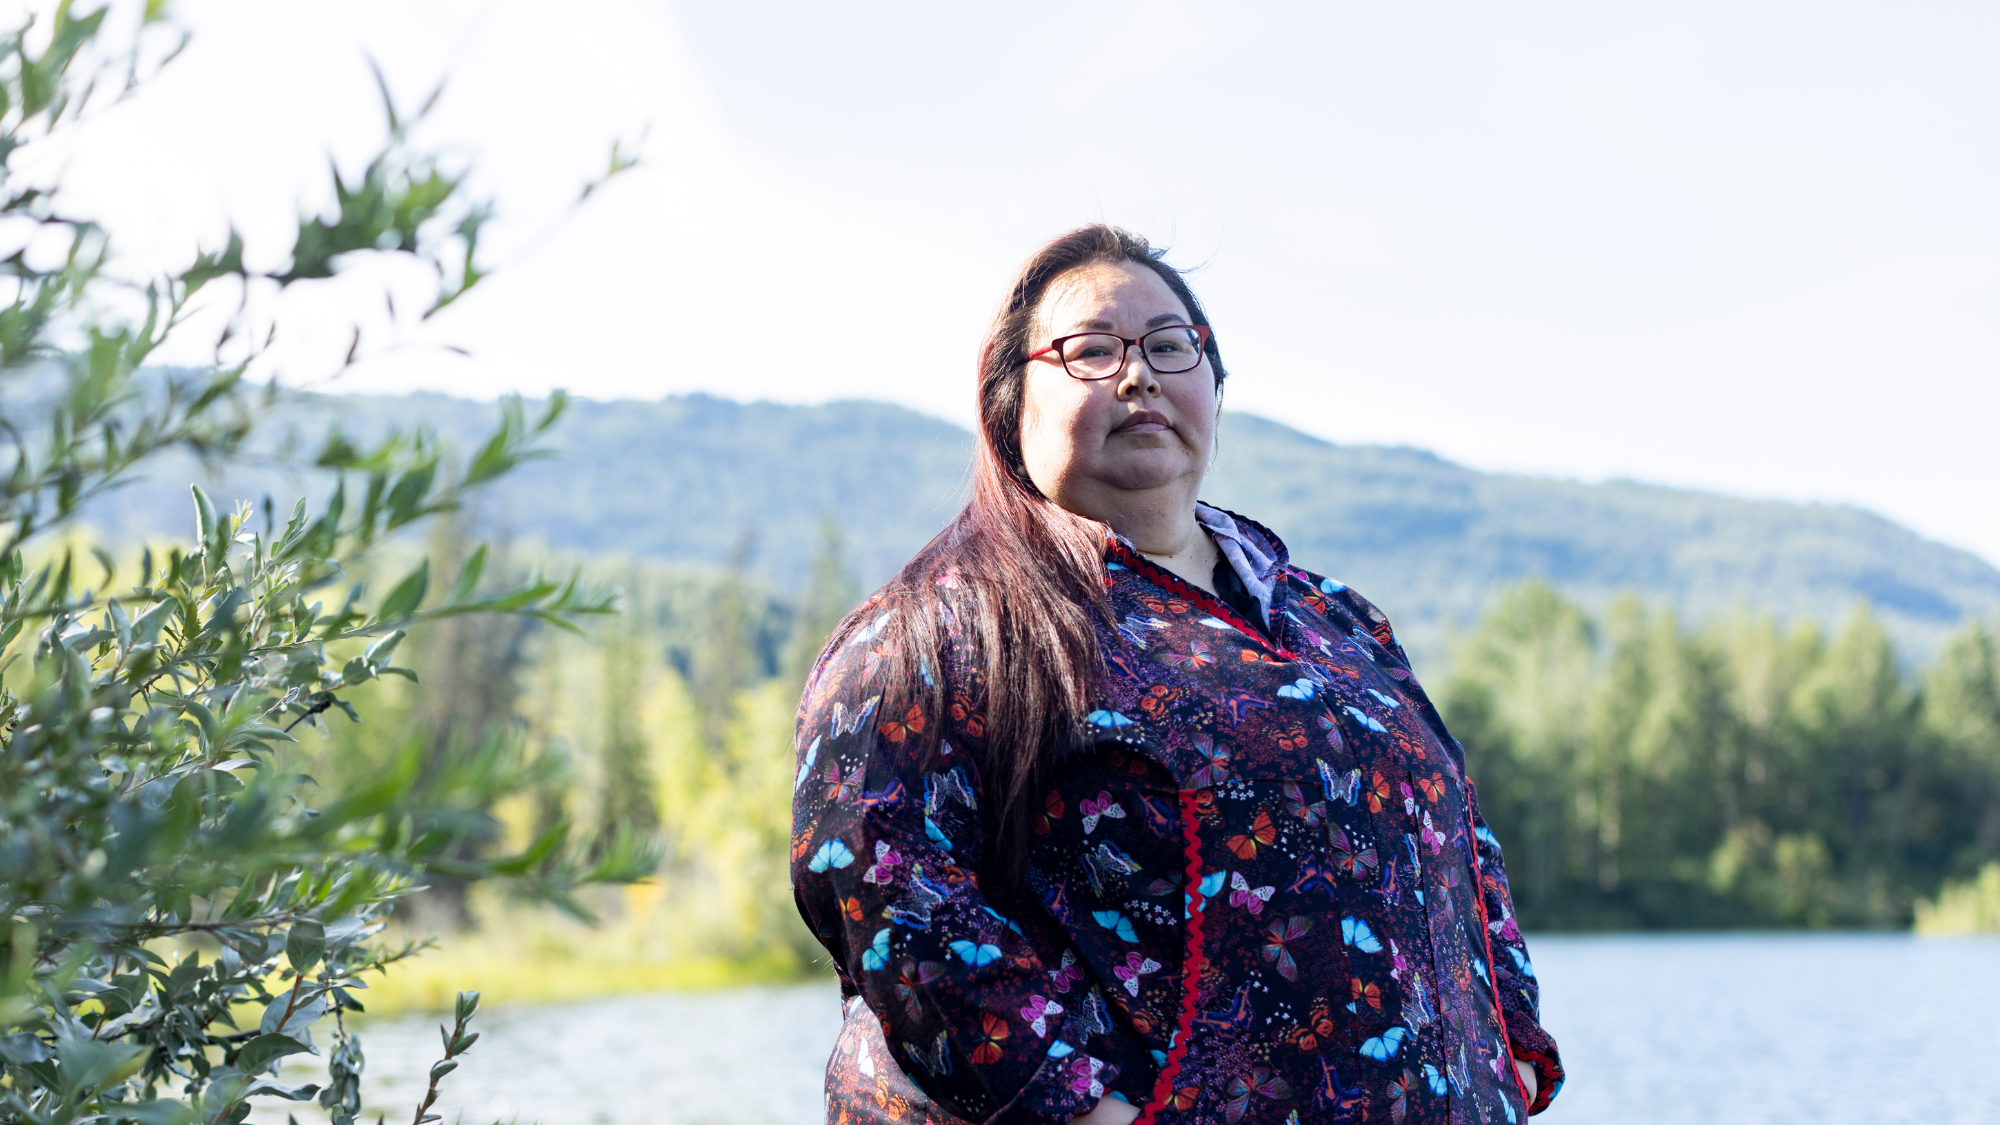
1266, 893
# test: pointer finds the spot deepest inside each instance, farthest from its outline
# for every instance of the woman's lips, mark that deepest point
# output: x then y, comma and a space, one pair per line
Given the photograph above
1144, 422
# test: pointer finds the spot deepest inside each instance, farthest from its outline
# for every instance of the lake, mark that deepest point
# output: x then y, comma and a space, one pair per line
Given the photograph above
1717, 1029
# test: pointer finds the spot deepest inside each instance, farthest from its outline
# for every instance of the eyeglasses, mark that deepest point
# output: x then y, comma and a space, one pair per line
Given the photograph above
1099, 355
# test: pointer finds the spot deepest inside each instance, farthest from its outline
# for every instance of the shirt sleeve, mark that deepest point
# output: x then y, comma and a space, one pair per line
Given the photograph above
886, 840
1520, 994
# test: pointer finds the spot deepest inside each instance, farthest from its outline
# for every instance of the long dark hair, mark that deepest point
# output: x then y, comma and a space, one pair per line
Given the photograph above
1023, 576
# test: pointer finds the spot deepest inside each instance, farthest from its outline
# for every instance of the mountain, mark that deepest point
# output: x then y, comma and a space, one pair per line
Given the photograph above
688, 478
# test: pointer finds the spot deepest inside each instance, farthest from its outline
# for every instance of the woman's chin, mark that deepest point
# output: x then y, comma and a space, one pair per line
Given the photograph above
1148, 470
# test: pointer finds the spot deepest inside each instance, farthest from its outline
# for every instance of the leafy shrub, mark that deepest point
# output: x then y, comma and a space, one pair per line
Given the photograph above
182, 909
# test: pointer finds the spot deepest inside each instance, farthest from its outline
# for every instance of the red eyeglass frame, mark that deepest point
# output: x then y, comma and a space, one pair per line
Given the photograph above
1056, 344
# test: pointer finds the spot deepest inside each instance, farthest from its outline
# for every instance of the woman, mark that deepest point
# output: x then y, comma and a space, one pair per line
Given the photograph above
1105, 811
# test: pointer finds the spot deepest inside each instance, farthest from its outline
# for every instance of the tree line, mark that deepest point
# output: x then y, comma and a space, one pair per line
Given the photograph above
1644, 772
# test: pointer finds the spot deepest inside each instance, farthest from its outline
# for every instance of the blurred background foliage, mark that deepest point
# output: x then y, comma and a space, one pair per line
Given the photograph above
1646, 773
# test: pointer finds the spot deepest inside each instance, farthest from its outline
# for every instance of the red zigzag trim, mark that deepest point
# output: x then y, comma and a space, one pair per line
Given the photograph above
1191, 964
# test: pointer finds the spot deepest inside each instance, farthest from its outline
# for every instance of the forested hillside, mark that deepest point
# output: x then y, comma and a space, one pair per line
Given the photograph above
697, 479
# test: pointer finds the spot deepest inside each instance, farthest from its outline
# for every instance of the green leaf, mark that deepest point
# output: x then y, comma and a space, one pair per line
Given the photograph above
468, 578
204, 516
380, 652
88, 1065
158, 1111
265, 1049
305, 945
407, 594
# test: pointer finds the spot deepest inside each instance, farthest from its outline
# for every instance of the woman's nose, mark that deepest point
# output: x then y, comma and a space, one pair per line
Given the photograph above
1136, 377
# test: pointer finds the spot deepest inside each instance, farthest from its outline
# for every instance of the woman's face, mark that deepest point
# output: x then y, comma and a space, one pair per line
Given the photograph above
1135, 440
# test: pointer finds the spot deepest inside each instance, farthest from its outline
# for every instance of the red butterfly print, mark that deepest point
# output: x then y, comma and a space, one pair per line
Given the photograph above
1378, 793
1318, 1026
1052, 811
993, 1030
1368, 994
967, 718
1256, 656
1154, 704
1293, 739
1432, 786
852, 908
1183, 1099
896, 730
1262, 833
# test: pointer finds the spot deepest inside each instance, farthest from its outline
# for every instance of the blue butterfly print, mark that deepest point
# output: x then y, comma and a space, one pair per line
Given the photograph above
1117, 923
1355, 932
1328, 585
1216, 623
876, 956
1109, 720
1211, 885
1383, 1047
1435, 1079
975, 954
924, 670
1521, 961
1303, 689
1479, 966
936, 834
1367, 720
805, 770
1389, 701
1486, 836
833, 853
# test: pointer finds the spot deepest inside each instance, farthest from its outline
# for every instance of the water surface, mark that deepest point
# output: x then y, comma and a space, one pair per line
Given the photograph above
1711, 1029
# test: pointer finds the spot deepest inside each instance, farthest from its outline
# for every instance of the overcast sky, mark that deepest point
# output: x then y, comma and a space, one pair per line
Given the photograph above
1750, 247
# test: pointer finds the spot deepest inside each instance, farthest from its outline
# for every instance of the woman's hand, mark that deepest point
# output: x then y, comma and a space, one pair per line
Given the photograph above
1528, 1079
1110, 1111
